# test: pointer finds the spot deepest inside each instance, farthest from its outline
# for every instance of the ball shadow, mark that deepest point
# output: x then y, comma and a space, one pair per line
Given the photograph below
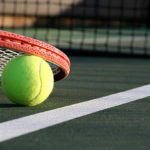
9, 105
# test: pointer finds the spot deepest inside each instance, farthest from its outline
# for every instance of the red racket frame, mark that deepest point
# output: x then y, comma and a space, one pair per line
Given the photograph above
38, 48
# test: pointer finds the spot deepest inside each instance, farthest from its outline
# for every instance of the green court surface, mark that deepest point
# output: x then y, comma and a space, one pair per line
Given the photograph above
122, 127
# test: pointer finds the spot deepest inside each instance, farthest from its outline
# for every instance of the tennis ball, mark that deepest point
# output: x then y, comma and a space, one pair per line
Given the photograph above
27, 80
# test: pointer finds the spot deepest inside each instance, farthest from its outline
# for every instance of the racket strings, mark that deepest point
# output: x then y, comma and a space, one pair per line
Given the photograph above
6, 55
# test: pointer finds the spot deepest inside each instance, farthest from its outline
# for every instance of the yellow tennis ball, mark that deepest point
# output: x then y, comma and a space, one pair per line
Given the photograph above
27, 80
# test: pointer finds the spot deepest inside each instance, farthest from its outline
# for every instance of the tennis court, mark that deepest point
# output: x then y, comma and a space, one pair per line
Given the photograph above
104, 102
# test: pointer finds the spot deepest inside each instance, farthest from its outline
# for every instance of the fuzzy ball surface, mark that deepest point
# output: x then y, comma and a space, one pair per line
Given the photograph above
27, 80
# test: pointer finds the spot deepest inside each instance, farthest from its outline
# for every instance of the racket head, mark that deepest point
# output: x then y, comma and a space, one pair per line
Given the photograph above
12, 45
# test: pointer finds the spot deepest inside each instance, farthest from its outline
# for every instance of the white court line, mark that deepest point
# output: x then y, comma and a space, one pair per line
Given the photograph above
17, 127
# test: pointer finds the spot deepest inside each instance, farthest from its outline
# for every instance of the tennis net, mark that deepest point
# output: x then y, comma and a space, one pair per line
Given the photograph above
104, 26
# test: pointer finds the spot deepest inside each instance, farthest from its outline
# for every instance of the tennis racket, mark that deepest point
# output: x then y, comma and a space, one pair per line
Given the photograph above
12, 45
